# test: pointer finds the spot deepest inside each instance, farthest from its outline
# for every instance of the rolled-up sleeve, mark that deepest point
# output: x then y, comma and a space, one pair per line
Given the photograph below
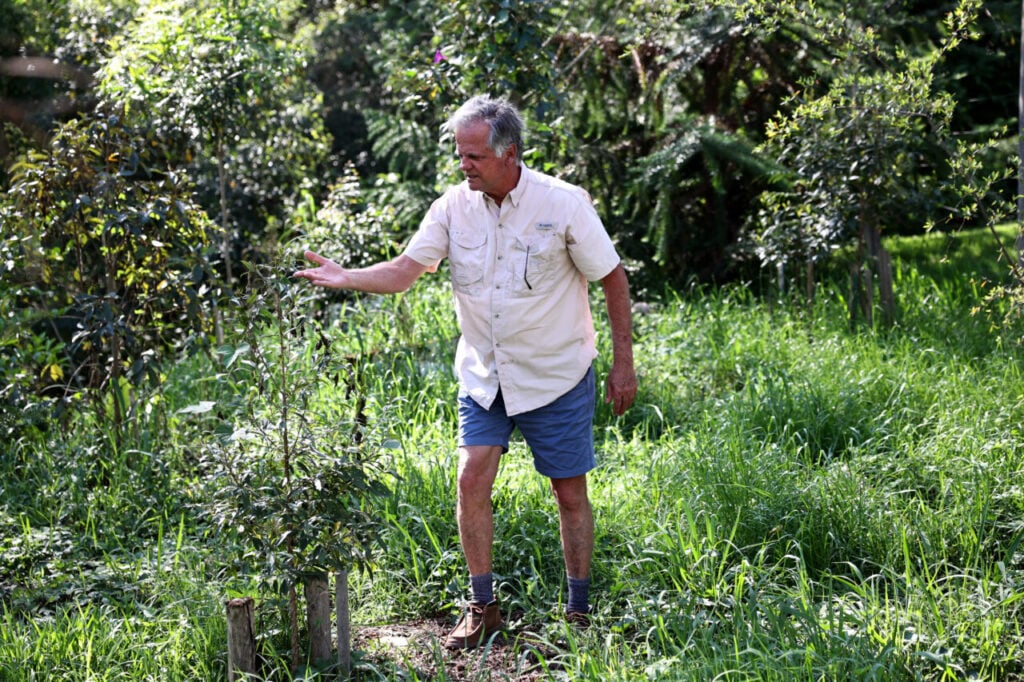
590, 247
429, 245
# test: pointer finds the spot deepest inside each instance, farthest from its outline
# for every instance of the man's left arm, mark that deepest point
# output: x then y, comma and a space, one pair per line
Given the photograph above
621, 385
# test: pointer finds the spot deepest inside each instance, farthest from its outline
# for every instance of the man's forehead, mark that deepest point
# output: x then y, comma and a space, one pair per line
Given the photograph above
471, 146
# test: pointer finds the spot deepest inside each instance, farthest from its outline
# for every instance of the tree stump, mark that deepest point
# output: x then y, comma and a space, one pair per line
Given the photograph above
241, 638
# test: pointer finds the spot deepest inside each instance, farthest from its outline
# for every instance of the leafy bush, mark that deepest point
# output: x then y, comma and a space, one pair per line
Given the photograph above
870, 149
104, 261
293, 474
219, 79
348, 228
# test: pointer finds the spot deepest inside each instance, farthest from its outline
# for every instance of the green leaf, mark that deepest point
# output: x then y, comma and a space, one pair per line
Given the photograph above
201, 407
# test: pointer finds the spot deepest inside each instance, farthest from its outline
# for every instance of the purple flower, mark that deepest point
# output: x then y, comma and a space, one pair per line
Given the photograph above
439, 56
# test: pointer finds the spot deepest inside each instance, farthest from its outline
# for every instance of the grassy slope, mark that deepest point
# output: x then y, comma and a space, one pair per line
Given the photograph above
788, 500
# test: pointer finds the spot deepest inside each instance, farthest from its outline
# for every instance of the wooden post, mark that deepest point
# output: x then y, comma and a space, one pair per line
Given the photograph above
293, 623
241, 638
318, 619
344, 633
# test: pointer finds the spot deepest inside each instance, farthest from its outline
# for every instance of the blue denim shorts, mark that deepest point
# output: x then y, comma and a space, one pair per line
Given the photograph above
560, 434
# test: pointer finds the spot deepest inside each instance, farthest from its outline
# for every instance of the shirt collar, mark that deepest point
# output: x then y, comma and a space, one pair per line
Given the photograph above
516, 195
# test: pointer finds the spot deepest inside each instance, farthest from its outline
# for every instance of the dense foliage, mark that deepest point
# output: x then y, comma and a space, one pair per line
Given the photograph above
658, 108
105, 265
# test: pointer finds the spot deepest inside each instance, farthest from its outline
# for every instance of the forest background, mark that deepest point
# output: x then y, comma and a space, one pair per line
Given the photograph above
165, 163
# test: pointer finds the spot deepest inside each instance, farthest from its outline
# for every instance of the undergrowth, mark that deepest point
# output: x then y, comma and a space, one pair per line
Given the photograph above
788, 499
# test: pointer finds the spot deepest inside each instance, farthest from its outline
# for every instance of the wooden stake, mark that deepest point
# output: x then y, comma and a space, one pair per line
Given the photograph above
318, 619
241, 638
344, 633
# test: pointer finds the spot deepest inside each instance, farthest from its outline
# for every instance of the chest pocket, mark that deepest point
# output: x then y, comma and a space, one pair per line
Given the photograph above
537, 262
467, 255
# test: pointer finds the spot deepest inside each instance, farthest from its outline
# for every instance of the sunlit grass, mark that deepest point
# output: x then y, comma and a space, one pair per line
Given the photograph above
118, 619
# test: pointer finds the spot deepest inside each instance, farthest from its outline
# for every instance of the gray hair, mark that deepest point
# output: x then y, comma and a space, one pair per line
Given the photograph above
504, 119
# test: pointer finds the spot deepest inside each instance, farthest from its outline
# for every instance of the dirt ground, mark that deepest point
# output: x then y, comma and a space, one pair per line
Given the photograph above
522, 653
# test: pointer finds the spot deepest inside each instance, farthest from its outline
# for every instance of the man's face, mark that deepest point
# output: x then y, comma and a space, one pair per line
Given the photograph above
495, 175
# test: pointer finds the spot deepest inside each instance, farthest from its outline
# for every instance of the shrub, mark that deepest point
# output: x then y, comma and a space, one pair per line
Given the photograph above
104, 258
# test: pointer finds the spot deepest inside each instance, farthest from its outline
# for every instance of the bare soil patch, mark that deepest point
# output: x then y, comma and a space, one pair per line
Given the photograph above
415, 650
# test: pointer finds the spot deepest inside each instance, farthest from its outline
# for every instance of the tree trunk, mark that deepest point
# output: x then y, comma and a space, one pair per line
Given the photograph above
225, 243
241, 638
225, 223
868, 302
853, 298
809, 287
878, 261
886, 291
318, 619
343, 625
1020, 157
862, 295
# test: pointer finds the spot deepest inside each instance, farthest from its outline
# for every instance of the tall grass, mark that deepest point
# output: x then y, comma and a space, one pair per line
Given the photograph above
788, 500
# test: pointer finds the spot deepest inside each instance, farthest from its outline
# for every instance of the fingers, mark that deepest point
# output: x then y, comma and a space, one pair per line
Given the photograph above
314, 258
618, 405
621, 387
327, 273
621, 398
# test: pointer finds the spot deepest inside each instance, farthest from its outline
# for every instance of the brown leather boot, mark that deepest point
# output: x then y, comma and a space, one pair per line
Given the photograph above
477, 623
578, 619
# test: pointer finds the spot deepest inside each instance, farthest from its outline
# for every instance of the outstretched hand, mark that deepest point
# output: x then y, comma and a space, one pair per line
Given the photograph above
329, 274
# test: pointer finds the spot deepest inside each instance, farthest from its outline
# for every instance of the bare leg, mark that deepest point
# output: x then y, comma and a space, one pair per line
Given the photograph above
576, 520
478, 467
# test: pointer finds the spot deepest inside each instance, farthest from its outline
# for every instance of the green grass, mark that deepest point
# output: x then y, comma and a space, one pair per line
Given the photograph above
788, 500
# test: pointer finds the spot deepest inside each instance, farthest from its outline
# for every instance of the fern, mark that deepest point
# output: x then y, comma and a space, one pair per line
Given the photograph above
668, 182
404, 146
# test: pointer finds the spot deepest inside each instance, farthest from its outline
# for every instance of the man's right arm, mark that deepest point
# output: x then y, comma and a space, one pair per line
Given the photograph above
389, 277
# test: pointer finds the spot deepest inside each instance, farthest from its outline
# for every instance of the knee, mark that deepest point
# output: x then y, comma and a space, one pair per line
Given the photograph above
570, 497
474, 481
472, 484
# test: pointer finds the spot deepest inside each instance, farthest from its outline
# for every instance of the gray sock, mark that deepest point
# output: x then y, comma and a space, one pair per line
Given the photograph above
579, 595
482, 588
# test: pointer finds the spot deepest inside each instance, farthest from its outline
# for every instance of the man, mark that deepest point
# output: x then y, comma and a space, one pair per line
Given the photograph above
522, 247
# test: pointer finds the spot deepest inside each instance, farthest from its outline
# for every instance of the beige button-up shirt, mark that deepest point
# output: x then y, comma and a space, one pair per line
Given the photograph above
519, 277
